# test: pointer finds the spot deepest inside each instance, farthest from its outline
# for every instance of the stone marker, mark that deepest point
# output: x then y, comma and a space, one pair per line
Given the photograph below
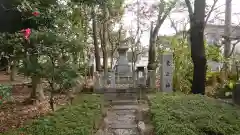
166, 72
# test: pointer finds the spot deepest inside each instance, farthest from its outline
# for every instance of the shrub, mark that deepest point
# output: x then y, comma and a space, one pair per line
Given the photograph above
178, 114
78, 119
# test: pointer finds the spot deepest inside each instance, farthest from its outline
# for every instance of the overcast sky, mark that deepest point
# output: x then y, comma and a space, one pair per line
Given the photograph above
166, 28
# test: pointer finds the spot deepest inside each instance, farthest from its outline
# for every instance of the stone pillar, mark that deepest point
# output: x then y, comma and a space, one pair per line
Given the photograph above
137, 77
141, 80
102, 80
122, 66
166, 72
112, 79
97, 82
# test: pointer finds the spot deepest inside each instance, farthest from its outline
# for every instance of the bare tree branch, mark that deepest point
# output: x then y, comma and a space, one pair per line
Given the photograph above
161, 18
190, 9
210, 11
7, 9
173, 24
233, 48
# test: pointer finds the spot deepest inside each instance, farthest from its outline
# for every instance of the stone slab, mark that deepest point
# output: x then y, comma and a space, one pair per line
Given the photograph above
122, 132
122, 126
124, 102
125, 107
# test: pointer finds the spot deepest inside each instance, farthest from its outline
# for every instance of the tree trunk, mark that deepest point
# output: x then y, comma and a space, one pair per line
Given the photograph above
111, 62
104, 41
37, 90
227, 33
152, 50
13, 72
8, 69
95, 42
198, 48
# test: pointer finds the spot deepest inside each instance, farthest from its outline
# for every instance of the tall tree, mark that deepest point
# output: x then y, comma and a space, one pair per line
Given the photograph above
227, 33
197, 22
95, 40
164, 8
104, 37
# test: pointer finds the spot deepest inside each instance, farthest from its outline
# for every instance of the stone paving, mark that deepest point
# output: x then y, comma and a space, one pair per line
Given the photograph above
125, 117
121, 120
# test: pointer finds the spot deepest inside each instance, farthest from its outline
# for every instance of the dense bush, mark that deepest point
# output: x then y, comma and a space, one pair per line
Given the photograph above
217, 87
74, 120
179, 114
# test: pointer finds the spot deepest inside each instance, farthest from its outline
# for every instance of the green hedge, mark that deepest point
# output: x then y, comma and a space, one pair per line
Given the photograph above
178, 114
73, 120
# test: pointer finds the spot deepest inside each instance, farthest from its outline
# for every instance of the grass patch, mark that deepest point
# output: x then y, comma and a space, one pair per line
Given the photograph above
77, 119
178, 114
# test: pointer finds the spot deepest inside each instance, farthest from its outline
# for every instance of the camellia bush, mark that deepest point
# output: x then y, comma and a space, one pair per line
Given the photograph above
48, 44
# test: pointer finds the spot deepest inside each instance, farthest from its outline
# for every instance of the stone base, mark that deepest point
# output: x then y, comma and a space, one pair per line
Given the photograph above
124, 80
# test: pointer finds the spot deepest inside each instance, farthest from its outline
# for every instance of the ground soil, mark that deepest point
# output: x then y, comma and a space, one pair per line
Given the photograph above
14, 113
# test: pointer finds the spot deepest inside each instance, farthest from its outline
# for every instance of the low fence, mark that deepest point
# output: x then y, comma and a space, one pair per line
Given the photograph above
115, 81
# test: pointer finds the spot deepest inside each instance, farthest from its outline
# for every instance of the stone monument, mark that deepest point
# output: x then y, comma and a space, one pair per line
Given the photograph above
123, 69
166, 79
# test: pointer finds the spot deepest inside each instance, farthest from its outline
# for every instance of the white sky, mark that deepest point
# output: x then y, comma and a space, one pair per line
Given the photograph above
166, 27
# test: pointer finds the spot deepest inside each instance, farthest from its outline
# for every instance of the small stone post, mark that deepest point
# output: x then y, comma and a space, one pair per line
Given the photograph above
102, 80
113, 81
141, 80
97, 84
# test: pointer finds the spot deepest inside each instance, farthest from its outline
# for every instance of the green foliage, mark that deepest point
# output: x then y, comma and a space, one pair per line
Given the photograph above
213, 53
63, 75
179, 114
11, 45
5, 92
210, 76
218, 87
78, 119
183, 67
54, 40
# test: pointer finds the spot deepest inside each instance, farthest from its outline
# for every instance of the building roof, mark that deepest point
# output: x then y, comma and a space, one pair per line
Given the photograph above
219, 30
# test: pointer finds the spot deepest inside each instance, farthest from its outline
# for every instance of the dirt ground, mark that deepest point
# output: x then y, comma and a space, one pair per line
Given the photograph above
15, 114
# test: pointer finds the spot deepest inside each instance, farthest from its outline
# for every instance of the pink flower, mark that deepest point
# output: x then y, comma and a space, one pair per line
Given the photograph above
36, 13
27, 33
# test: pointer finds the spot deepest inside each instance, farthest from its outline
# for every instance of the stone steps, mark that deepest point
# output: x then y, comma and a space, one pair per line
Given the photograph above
121, 118
125, 107
125, 115
122, 132
124, 102
121, 90
121, 96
